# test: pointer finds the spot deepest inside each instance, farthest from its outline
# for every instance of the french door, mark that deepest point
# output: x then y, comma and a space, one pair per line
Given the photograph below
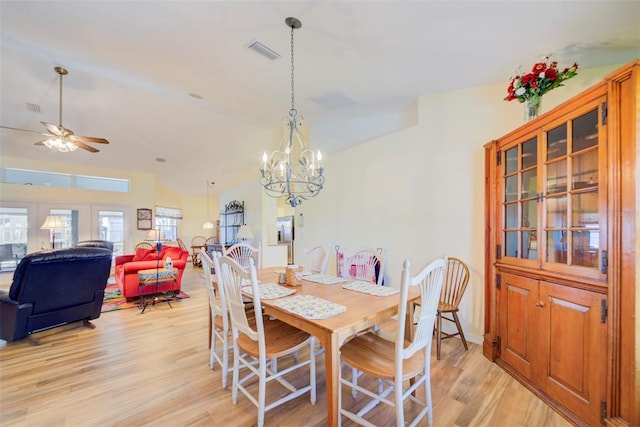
21, 232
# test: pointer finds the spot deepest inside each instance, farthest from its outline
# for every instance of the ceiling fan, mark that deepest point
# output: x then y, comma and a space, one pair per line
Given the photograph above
59, 137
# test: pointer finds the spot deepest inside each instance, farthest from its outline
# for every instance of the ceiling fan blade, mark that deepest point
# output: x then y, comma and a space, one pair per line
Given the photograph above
26, 130
75, 138
84, 146
39, 143
54, 129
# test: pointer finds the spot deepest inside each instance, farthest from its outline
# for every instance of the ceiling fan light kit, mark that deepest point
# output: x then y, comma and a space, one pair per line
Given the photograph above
60, 145
60, 138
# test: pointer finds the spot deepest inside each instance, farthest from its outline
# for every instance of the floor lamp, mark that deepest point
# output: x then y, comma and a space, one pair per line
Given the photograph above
53, 222
158, 237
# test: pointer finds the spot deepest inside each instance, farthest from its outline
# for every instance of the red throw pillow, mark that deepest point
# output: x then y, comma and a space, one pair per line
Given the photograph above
172, 252
141, 253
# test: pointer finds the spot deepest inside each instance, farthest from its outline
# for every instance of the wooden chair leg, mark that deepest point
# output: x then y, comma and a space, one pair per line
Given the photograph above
464, 341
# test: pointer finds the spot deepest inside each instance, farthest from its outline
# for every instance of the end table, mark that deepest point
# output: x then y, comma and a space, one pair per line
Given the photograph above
152, 277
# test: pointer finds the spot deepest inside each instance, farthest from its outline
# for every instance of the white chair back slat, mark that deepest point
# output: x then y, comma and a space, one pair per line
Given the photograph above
221, 301
243, 252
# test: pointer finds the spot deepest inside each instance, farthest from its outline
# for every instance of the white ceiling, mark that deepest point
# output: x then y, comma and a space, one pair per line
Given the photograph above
133, 64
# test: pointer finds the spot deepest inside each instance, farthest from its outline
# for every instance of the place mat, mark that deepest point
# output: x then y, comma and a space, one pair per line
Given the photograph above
370, 288
325, 279
270, 290
310, 307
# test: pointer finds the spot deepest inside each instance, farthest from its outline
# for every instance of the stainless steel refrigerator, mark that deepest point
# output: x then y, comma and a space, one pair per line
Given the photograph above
285, 227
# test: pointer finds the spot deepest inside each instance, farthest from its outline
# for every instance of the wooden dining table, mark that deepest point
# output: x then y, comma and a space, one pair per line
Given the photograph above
363, 311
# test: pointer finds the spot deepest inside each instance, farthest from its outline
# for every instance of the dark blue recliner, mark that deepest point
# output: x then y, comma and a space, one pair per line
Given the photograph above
95, 244
52, 288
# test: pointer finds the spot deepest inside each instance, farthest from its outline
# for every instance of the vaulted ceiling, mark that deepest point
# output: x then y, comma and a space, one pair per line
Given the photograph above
176, 79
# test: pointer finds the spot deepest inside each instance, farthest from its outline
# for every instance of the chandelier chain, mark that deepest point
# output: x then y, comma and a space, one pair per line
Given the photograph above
293, 105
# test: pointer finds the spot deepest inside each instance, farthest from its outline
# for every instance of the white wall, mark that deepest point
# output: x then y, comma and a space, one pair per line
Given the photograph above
419, 192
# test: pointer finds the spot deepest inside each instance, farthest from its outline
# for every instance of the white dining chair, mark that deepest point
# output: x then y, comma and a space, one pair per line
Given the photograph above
257, 347
316, 259
219, 326
365, 264
396, 361
368, 265
242, 252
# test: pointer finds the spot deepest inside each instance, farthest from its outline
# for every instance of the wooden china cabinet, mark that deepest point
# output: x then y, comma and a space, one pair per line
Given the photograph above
560, 246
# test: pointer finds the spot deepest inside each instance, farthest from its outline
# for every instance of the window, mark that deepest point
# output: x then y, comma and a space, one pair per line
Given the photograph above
111, 228
13, 236
65, 180
168, 221
21, 229
65, 237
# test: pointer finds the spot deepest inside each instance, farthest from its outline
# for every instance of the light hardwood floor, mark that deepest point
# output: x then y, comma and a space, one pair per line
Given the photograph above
152, 369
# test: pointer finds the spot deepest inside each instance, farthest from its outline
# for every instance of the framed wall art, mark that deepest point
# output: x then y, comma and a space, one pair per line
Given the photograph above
144, 219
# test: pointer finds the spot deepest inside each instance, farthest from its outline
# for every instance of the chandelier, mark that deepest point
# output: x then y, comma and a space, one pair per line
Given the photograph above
293, 171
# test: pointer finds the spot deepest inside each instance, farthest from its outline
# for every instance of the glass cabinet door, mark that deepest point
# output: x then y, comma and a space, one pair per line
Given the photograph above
556, 195
553, 199
520, 200
572, 192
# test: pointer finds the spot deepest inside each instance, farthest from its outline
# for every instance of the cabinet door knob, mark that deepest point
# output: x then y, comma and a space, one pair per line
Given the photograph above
540, 304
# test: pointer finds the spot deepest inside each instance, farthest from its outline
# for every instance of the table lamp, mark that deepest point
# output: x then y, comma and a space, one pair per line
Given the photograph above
244, 233
156, 236
53, 222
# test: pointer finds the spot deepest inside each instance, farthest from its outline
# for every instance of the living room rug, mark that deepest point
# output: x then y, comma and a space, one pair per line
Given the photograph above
113, 299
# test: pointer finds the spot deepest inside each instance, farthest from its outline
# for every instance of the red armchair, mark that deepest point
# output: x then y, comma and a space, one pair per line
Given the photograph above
127, 267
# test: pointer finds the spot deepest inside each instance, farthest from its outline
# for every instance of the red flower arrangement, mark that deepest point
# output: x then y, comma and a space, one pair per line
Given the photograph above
543, 77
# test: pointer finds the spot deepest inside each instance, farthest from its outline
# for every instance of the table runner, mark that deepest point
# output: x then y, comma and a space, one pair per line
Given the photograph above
325, 279
370, 288
311, 307
270, 290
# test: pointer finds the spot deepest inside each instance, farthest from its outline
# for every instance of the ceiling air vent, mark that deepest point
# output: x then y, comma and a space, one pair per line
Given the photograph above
34, 108
263, 50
